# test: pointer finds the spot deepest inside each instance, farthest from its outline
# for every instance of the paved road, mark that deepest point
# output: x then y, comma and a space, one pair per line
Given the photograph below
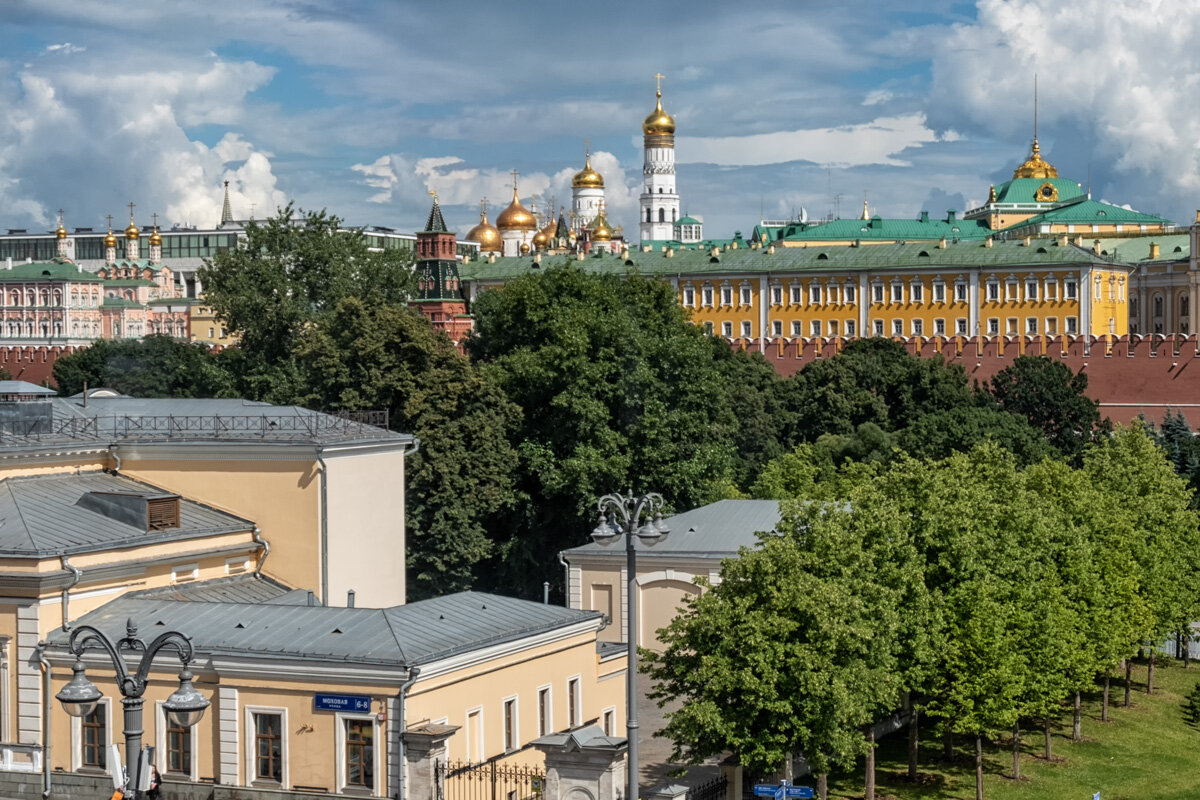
654, 752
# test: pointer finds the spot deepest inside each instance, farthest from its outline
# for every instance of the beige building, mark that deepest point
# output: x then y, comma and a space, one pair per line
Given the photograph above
597, 577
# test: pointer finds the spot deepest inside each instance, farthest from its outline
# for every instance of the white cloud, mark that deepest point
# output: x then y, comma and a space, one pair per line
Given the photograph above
877, 97
66, 48
874, 142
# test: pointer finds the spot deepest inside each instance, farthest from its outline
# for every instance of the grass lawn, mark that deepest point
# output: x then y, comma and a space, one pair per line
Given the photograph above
1146, 752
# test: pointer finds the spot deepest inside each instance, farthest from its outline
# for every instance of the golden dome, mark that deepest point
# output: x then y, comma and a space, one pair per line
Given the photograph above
155, 239
540, 240
61, 233
587, 178
110, 240
516, 217
601, 230
659, 121
132, 231
1035, 167
524, 248
487, 234
550, 229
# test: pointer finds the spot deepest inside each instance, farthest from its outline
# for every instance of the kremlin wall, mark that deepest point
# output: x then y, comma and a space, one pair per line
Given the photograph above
1130, 376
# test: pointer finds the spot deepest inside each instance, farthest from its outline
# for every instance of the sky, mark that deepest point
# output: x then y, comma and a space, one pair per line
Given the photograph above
781, 108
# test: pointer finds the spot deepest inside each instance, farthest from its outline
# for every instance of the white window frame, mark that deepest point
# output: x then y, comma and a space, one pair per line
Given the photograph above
917, 326
1031, 326
939, 291
797, 328
897, 292
776, 295
575, 688
511, 738
706, 296
1070, 289
993, 291
916, 292
183, 573
1012, 290
1052, 288
746, 294
832, 327
1051, 326
877, 293
797, 294
897, 327
960, 326
475, 752
814, 294
993, 326
160, 743
1072, 326
727, 329
1012, 326
726, 295
939, 327
831, 293
340, 757
608, 721
248, 737
777, 327
548, 688
77, 739
237, 565
708, 328
848, 294
1032, 295
689, 296
814, 327
747, 329
850, 328
877, 327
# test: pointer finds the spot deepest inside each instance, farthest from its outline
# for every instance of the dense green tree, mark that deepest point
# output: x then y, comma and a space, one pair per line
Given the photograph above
1052, 398
289, 271
378, 356
156, 366
1182, 446
938, 434
871, 380
618, 390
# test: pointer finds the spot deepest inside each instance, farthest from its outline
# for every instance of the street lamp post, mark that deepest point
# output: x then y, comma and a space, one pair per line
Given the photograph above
79, 697
635, 518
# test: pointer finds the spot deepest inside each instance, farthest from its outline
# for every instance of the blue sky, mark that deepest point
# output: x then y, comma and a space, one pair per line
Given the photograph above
361, 107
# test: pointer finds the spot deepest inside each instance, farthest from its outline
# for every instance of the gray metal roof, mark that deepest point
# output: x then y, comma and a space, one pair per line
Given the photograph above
403, 636
24, 387
717, 530
40, 516
247, 588
104, 420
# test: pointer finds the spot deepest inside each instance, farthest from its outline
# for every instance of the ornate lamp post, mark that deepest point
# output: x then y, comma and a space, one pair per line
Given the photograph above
635, 518
79, 697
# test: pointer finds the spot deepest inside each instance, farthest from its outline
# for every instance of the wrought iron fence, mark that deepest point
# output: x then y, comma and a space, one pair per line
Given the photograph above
491, 780
712, 790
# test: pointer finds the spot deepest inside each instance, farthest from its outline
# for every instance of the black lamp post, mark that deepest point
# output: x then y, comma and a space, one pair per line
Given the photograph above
185, 707
641, 518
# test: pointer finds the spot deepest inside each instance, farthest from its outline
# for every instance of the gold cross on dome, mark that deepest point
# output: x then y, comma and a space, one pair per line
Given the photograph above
110, 223
433, 194
155, 218
131, 207
587, 148
658, 79
515, 176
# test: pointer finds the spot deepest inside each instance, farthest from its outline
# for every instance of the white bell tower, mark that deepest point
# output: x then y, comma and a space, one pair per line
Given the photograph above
659, 202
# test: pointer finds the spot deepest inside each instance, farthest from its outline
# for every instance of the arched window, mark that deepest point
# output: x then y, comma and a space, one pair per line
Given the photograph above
1158, 305
647, 215
674, 215
1183, 306
662, 215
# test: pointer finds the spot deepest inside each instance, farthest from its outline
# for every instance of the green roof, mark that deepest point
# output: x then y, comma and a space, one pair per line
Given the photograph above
48, 270
891, 230
1025, 190
173, 301
1092, 212
835, 258
120, 302
1136, 249
129, 282
688, 221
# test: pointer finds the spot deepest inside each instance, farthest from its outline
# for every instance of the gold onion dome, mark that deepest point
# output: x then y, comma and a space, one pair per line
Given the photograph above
550, 229
110, 240
1035, 167
487, 234
587, 178
132, 231
155, 238
61, 233
659, 121
540, 240
516, 217
601, 230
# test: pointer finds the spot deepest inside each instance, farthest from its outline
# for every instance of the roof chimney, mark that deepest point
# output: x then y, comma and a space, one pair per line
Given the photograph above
942, 243
1154, 249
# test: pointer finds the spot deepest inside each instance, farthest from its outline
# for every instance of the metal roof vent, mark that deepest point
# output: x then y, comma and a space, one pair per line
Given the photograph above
150, 512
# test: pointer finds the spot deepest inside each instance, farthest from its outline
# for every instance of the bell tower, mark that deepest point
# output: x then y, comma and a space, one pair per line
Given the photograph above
659, 201
439, 294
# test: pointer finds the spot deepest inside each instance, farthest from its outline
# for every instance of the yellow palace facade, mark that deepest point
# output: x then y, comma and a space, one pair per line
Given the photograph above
989, 287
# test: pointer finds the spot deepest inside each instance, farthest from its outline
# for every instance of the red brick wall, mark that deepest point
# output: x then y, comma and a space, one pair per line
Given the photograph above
1128, 375
32, 364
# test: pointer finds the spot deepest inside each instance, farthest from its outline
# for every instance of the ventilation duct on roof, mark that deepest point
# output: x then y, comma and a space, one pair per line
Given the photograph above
150, 512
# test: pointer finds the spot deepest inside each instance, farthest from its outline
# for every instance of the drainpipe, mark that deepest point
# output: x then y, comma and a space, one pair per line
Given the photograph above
266, 551
324, 525
116, 457
66, 592
413, 674
39, 654
566, 581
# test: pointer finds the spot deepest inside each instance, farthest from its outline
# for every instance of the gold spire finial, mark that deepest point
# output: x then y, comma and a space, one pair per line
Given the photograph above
515, 176
154, 217
131, 207
110, 223
433, 194
658, 79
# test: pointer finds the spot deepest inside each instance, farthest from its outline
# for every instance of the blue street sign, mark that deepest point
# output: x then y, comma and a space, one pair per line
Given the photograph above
358, 703
782, 790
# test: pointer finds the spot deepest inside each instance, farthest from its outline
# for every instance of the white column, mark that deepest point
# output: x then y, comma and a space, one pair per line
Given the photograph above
29, 676
229, 754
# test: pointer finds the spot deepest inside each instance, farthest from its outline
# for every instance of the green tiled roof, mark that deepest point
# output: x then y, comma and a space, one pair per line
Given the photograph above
173, 301
891, 230
688, 221
836, 258
120, 302
47, 270
1136, 249
1024, 190
129, 282
1092, 212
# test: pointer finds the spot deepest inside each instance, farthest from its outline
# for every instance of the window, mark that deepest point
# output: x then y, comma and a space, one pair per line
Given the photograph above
831, 292
573, 703
268, 747
545, 712
814, 294
777, 328
851, 327
897, 327
916, 293
877, 327
1071, 289
993, 327
960, 326
797, 295
960, 292
1010, 289
360, 754
93, 738
746, 329
708, 328
815, 326
993, 291
1010, 326
777, 295
727, 329
1098, 287
689, 296
939, 292
877, 293
1051, 289
797, 328
185, 572
745, 295
1052, 325
510, 724
726, 295
609, 723
1183, 306
211, 332
848, 293
897, 293
939, 327
918, 327
1031, 325
833, 327
1031, 290
1158, 305
1072, 325
707, 295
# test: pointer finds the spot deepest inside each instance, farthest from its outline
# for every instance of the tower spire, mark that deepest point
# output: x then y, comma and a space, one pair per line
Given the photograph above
226, 209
